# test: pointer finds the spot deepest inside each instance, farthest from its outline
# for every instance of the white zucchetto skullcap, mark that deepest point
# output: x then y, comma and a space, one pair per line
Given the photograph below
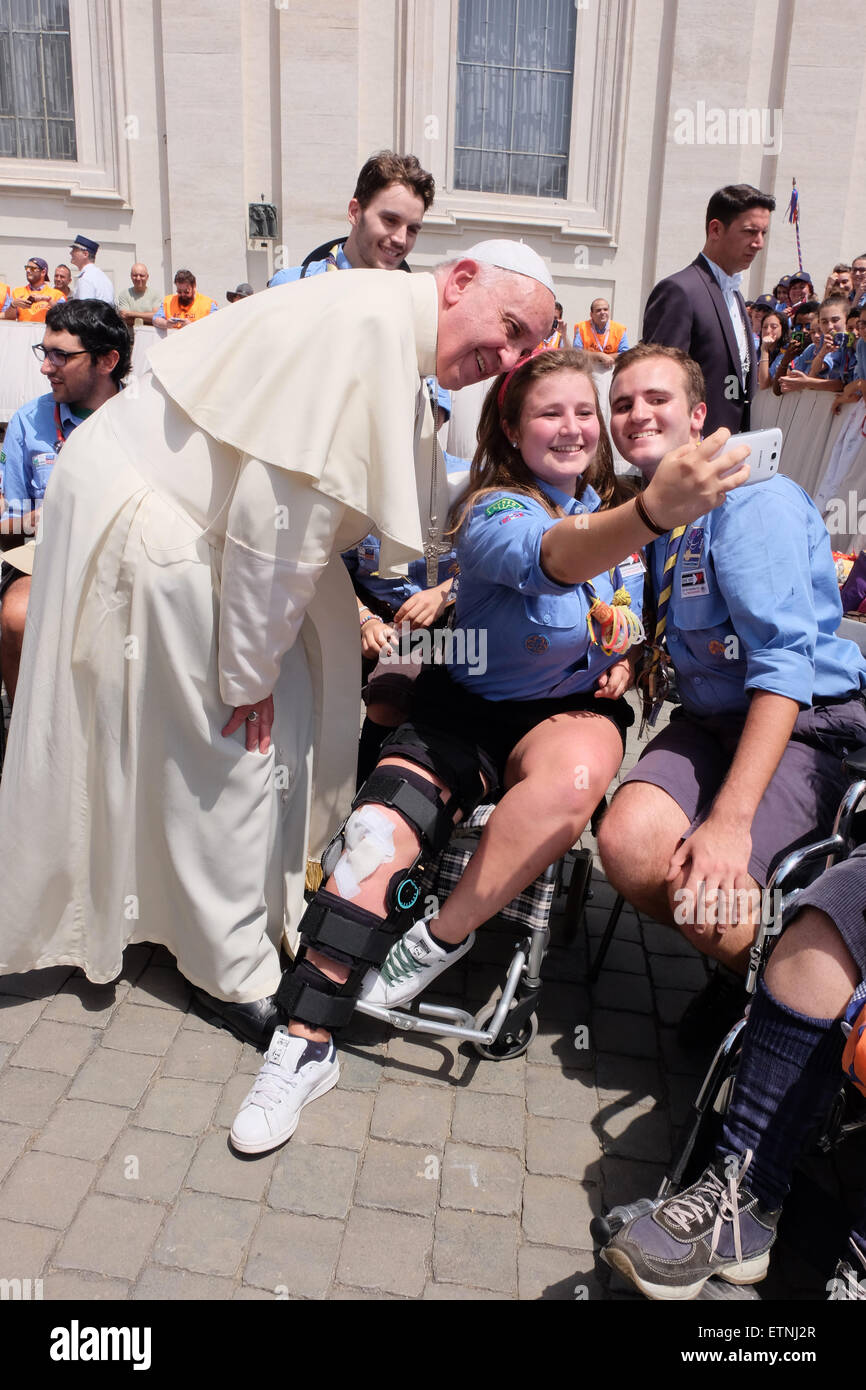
512, 255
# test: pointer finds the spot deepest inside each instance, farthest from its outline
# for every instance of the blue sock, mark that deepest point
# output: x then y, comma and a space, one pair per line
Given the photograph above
790, 1069
314, 1052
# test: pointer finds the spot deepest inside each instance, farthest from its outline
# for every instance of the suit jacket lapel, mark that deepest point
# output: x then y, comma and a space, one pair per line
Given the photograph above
721, 308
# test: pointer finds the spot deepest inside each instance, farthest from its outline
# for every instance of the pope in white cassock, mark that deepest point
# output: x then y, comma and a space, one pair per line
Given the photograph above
185, 728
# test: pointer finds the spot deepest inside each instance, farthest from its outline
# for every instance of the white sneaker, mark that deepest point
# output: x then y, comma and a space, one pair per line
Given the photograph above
269, 1115
410, 966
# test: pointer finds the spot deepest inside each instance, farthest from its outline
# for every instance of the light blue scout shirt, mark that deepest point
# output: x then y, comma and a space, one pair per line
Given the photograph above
294, 272
755, 604
833, 368
30, 450
535, 630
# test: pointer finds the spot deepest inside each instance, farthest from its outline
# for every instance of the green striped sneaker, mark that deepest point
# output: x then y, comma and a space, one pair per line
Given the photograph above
410, 966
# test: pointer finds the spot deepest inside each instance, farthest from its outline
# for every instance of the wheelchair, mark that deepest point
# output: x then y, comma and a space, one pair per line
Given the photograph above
503, 1029
846, 1116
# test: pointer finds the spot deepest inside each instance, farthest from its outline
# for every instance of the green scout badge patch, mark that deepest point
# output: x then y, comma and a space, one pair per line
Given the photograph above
505, 504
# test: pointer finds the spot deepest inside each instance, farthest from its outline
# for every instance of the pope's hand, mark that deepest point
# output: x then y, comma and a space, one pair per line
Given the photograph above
258, 730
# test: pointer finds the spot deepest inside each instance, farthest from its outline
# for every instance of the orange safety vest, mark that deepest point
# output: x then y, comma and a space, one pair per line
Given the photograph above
591, 342
199, 309
4, 292
35, 313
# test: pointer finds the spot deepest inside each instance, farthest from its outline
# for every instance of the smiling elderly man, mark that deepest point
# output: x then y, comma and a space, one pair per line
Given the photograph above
179, 721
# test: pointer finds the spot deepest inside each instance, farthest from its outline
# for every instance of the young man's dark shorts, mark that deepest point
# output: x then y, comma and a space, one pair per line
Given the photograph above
692, 756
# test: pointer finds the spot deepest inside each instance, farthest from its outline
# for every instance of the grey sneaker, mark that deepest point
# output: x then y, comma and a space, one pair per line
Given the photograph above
849, 1280
716, 1226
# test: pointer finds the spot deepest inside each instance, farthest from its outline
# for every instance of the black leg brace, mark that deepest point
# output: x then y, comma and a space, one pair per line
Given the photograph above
344, 932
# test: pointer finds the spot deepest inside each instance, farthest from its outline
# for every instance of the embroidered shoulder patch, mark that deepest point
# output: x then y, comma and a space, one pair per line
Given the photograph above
505, 504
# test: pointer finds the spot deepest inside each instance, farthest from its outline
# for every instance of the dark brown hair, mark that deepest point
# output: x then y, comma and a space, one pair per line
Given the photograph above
497, 466
728, 202
386, 168
693, 377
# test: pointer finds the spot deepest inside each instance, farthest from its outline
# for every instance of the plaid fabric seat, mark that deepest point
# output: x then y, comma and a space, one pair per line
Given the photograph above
531, 908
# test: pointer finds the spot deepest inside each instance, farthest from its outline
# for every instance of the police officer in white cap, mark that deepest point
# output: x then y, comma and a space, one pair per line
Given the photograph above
90, 281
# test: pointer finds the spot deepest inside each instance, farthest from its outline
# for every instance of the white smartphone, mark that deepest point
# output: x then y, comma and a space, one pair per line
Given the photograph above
766, 447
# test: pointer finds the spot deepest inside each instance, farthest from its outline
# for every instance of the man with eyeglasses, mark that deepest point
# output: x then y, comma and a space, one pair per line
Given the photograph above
85, 353
31, 302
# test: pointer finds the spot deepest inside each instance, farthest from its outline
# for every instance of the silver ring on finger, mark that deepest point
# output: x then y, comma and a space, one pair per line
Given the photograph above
251, 718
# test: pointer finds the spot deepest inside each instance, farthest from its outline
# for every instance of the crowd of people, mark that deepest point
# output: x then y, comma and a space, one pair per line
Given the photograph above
809, 343
219, 549
138, 305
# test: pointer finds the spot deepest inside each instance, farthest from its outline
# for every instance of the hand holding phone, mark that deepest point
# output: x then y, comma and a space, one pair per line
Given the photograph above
766, 450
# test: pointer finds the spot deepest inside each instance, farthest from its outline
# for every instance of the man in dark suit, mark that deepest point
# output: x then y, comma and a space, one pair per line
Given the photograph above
700, 309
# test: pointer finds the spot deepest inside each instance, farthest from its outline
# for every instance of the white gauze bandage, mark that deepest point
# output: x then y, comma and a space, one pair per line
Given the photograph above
369, 841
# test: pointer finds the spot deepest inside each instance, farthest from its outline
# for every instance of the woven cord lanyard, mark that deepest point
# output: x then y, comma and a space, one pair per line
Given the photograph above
58, 426
613, 626
651, 683
602, 346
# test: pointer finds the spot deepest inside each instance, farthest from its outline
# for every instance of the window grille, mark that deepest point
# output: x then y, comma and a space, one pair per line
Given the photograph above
37, 111
515, 77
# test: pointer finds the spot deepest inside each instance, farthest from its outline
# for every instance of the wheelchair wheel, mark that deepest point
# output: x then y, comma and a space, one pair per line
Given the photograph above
507, 1045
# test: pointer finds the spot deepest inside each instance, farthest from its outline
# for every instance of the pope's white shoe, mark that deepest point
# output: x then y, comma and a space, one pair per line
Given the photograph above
269, 1115
410, 966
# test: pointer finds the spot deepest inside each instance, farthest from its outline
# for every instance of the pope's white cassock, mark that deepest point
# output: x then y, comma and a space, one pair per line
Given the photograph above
190, 564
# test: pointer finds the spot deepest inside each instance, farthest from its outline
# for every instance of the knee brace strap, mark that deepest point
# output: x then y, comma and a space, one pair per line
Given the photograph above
456, 762
337, 927
413, 798
306, 994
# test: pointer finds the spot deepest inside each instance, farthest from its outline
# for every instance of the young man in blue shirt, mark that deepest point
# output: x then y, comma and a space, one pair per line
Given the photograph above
85, 354
386, 210
772, 699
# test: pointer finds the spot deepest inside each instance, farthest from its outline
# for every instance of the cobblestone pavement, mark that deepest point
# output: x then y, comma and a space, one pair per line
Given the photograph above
428, 1173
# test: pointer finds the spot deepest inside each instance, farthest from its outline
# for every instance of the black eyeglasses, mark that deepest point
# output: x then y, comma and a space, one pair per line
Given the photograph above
56, 356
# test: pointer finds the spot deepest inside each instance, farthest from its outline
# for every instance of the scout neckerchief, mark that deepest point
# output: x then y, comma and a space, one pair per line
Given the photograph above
652, 682
330, 260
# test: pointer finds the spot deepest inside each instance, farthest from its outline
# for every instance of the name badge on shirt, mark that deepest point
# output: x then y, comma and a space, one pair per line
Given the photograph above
693, 548
694, 584
633, 565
